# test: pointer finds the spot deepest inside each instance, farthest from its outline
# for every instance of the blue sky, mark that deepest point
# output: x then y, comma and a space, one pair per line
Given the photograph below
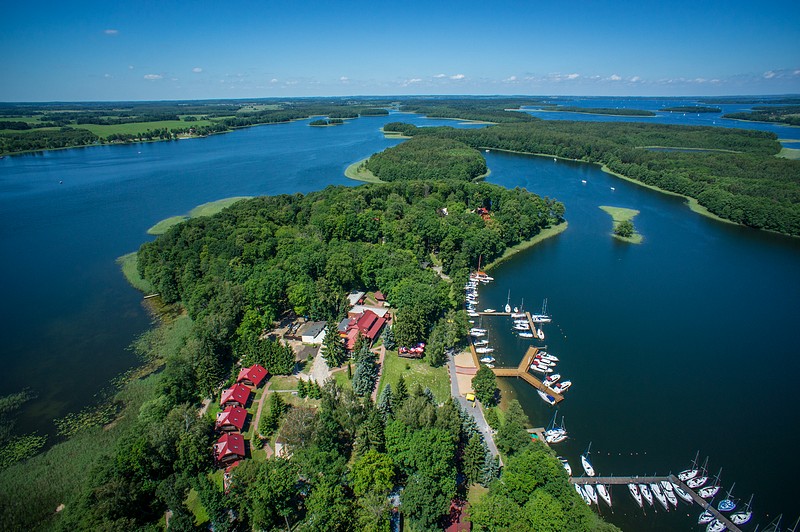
147, 50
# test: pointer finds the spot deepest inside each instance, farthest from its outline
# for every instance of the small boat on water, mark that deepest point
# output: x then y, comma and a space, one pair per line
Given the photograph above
525, 335
669, 493
589, 489
556, 433
521, 327
715, 526
508, 303
545, 354
587, 465
552, 379
477, 334
742, 516
700, 479
557, 437
541, 369
566, 465
646, 493
516, 314
543, 362
562, 387
659, 495
484, 350
489, 310
473, 314
635, 494
705, 518
707, 492
540, 334
583, 495
728, 503
605, 493
487, 360
692, 472
683, 494
489, 365
546, 398
480, 343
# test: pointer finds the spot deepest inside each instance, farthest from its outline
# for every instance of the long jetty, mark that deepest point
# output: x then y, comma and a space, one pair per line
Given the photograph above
704, 504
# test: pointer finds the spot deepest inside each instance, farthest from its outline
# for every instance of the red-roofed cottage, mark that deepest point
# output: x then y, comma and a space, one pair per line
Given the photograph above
368, 324
236, 395
229, 448
252, 376
232, 418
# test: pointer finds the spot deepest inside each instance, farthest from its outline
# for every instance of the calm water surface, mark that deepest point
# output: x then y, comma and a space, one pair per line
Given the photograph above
682, 343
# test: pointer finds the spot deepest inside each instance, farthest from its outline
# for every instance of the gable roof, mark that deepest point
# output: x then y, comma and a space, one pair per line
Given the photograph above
229, 444
238, 393
232, 415
312, 328
379, 296
255, 374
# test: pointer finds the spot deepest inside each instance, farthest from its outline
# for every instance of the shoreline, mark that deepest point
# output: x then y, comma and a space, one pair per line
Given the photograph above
544, 234
365, 176
588, 113
619, 215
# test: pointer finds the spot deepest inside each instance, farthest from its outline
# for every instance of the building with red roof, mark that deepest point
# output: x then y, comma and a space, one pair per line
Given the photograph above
230, 419
229, 448
368, 324
252, 376
236, 395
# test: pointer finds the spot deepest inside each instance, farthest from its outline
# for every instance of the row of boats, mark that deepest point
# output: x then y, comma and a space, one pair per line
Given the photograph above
546, 363
697, 478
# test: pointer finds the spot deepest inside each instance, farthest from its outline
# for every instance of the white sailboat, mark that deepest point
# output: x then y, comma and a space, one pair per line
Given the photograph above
707, 492
487, 360
669, 493
589, 489
587, 465
484, 350
683, 494
700, 479
567, 467
525, 335
556, 434
646, 493
635, 494
605, 493
508, 303
540, 334
659, 495
686, 474
743, 516
546, 398
705, 517
583, 495
715, 526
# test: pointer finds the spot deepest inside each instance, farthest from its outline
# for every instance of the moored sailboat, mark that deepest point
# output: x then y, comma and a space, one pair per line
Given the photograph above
646, 493
659, 495
605, 493
590, 491
743, 516
686, 474
635, 494
587, 465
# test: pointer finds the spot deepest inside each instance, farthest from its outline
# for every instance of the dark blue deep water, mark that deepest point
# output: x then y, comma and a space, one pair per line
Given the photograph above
684, 342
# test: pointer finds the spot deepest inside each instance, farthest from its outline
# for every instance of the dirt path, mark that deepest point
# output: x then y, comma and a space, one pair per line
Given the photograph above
381, 352
261, 402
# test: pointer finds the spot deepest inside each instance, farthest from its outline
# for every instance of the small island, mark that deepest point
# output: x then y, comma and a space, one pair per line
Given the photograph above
691, 109
326, 122
623, 224
601, 111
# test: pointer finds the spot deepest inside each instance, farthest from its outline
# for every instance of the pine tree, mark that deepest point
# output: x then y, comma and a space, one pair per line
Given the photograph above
402, 393
491, 470
333, 348
366, 372
386, 402
301, 388
474, 462
388, 338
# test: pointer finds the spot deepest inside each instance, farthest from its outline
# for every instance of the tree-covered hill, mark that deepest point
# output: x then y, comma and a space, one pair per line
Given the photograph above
737, 178
427, 158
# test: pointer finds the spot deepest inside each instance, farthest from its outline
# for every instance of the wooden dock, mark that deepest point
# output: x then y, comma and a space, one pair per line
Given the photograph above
522, 372
704, 504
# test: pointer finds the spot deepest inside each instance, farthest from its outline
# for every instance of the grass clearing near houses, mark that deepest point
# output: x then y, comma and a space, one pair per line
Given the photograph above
414, 371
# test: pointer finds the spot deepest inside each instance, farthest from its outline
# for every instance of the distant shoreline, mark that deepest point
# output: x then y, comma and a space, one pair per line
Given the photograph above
544, 234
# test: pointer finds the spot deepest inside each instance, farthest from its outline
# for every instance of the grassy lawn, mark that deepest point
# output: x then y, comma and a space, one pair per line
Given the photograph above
206, 209
129, 270
140, 127
789, 153
341, 379
418, 372
281, 382
621, 214
358, 172
476, 493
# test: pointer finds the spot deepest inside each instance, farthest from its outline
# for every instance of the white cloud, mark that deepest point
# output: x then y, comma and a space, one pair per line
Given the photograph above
111, 32
274, 80
107, 76
197, 70
153, 76
796, 72
440, 76
173, 79
614, 77
634, 79
130, 67
344, 79
458, 76
510, 79
769, 74
572, 76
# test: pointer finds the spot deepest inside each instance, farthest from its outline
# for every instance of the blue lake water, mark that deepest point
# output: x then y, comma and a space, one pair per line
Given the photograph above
682, 343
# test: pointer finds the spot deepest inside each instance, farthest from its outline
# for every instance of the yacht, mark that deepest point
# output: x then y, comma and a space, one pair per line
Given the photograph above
683, 494
489, 310
646, 493
562, 386
508, 303
589, 489
566, 465
556, 437
545, 354
742, 516
587, 465
583, 495
477, 334
636, 495
543, 362
546, 398
479, 343
692, 472
659, 495
540, 318
516, 314
705, 518
700, 479
541, 369
525, 335
487, 360
521, 327
472, 314
484, 350
715, 526
669, 493
540, 334
552, 379
489, 365
605, 493
707, 492
727, 504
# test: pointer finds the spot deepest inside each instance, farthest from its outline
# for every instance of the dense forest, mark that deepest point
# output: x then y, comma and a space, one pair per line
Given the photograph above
785, 114
602, 111
481, 109
427, 158
750, 186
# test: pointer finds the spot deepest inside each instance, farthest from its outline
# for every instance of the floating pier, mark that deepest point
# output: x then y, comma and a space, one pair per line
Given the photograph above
523, 372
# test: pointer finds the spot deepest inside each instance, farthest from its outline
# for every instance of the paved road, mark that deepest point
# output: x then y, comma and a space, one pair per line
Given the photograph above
476, 411
320, 372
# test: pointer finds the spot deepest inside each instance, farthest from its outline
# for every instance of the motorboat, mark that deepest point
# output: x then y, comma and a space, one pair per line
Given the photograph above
489, 310
727, 504
646, 493
477, 334
541, 369
659, 495
552, 379
543, 362
692, 472
479, 343
587, 465
516, 314
487, 360
525, 335
476, 329
546, 398
589, 489
605, 493
635, 494
705, 518
715, 526
489, 365
545, 354
540, 318
562, 386
566, 465
683, 494
583, 495
540, 334
742, 516
484, 350
472, 314
521, 327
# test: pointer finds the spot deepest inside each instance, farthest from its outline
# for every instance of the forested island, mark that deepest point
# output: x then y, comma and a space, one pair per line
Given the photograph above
601, 111
745, 184
691, 109
784, 114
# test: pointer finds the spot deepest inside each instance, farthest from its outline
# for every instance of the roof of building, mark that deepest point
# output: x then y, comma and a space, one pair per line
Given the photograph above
342, 327
312, 328
238, 393
232, 415
367, 323
354, 296
255, 374
358, 309
379, 296
229, 444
